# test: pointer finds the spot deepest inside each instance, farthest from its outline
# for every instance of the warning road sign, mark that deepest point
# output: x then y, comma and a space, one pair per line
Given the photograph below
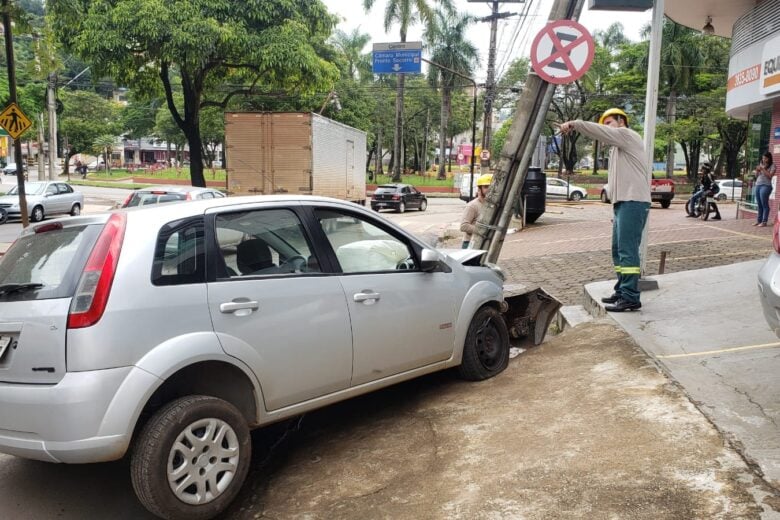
562, 52
14, 121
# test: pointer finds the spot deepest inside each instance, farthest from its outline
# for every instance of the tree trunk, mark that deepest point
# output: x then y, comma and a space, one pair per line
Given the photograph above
595, 157
671, 113
441, 174
378, 168
398, 137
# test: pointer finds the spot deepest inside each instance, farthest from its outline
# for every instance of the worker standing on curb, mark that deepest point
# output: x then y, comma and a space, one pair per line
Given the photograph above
474, 208
629, 185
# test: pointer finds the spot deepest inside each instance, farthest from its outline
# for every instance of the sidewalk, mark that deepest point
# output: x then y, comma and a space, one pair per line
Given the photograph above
706, 330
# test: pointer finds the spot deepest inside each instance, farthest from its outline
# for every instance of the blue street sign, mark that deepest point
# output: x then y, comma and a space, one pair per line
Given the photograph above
395, 58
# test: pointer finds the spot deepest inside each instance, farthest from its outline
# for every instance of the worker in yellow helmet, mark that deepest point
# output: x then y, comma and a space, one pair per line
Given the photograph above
474, 208
629, 190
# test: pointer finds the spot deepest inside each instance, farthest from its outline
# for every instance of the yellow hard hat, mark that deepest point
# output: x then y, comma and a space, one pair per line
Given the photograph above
612, 112
485, 179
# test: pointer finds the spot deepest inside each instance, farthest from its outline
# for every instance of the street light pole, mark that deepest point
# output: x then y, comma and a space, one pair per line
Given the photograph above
473, 120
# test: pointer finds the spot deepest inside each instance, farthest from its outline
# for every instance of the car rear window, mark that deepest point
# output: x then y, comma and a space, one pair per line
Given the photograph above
386, 189
54, 259
145, 199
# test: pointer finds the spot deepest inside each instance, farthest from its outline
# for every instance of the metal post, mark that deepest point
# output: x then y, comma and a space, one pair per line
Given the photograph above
651, 107
473, 143
9, 53
52, 106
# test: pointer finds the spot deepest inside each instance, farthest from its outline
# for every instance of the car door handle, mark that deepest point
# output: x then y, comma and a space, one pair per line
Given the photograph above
231, 307
368, 297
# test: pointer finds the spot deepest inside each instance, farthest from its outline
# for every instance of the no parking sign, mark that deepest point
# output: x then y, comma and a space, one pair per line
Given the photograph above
562, 52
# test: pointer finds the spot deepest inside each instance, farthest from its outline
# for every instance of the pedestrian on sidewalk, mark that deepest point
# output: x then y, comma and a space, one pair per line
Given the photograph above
629, 183
764, 173
474, 208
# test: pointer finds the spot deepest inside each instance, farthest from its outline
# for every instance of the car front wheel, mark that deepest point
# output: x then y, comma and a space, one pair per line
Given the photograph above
604, 198
486, 351
423, 205
190, 460
576, 196
37, 214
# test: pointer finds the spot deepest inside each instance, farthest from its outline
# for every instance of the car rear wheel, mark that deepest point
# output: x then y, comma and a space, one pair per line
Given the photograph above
721, 197
604, 198
3, 216
423, 205
75, 211
37, 214
401, 207
486, 351
666, 203
190, 460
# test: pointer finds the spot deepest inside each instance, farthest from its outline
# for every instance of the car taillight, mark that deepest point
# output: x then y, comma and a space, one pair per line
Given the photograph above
775, 231
127, 200
94, 286
396, 197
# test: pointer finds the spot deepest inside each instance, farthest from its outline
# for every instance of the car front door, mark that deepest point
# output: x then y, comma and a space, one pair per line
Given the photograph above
401, 318
52, 201
555, 189
273, 306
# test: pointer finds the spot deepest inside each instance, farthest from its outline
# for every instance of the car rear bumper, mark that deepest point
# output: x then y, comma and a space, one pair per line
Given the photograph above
86, 417
768, 288
384, 204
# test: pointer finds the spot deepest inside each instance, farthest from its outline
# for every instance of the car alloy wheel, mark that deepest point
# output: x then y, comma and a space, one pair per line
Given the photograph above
37, 214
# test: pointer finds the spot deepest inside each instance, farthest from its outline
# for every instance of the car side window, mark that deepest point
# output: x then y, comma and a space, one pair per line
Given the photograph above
51, 189
206, 195
179, 256
264, 242
362, 246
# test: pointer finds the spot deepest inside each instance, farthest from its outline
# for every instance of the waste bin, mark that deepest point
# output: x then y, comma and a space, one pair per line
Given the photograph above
533, 194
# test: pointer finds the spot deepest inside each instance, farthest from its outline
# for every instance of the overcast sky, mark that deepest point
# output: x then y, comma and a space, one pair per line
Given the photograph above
514, 39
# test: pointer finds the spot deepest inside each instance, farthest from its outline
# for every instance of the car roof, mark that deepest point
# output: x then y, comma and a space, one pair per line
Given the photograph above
173, 188
393, 185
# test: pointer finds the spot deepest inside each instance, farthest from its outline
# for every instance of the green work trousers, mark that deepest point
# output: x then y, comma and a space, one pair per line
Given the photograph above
627, 225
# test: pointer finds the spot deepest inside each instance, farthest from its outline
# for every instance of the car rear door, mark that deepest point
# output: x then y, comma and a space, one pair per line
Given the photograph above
401, 318
273, 305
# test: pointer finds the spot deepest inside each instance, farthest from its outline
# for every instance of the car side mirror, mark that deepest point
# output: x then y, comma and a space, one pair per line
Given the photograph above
432, 261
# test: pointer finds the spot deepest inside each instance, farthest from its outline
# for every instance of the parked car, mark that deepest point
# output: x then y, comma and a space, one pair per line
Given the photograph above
43, 199
168, 332
769, 282
560, 189
730, 189
162, 194
10, 168
399, 197
661, 191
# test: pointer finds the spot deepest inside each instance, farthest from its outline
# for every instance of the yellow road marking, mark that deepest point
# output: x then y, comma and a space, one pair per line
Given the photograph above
714, 352
741, 233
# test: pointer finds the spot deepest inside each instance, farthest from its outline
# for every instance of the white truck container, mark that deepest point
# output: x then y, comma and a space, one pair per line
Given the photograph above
294, 152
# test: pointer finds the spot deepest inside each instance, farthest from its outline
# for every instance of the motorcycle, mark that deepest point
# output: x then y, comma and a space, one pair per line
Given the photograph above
705, 205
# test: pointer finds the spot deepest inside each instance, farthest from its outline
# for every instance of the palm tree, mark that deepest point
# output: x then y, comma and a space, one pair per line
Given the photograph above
680, 52
450, 49
105, 144
351, 46
405, 13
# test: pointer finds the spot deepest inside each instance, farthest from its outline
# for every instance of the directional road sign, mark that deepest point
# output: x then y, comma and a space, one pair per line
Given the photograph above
14, 121
562, 52
394, 58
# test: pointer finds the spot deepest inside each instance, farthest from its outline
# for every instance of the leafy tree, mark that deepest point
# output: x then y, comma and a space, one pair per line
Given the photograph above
455, 57
105, 144
85, 117
350, 46
405, 13
509, 86
197, 46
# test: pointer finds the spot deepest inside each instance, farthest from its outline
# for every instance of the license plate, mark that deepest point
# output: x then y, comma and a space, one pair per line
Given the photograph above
4, 342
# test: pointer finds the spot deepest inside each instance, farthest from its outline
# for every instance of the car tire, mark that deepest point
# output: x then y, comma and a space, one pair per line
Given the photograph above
423, 205
75, 211
604, 198
666, 203
401, 207
721, 197
576, 196
157, 450
3, 216
486, 351
37, 214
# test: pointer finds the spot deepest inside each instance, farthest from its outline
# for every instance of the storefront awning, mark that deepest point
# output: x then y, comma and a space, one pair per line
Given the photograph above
694, 13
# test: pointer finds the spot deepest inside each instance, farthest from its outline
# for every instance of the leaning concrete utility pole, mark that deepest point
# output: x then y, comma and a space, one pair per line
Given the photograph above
9, 53
516, 155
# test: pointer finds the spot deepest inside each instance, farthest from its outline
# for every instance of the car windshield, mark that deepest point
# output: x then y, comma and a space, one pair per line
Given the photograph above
46, 265
30, 188
146, 198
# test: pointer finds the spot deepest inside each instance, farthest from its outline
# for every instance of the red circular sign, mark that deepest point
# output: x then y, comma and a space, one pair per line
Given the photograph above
562, 52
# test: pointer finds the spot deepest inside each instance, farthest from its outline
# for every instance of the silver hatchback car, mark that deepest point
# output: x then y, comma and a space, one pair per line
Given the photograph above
43, 198
169, 332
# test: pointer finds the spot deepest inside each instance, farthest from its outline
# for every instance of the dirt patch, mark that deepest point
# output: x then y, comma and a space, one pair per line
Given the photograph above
583, 426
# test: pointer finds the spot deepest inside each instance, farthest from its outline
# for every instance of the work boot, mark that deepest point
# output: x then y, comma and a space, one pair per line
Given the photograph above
611, 299
623, 305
